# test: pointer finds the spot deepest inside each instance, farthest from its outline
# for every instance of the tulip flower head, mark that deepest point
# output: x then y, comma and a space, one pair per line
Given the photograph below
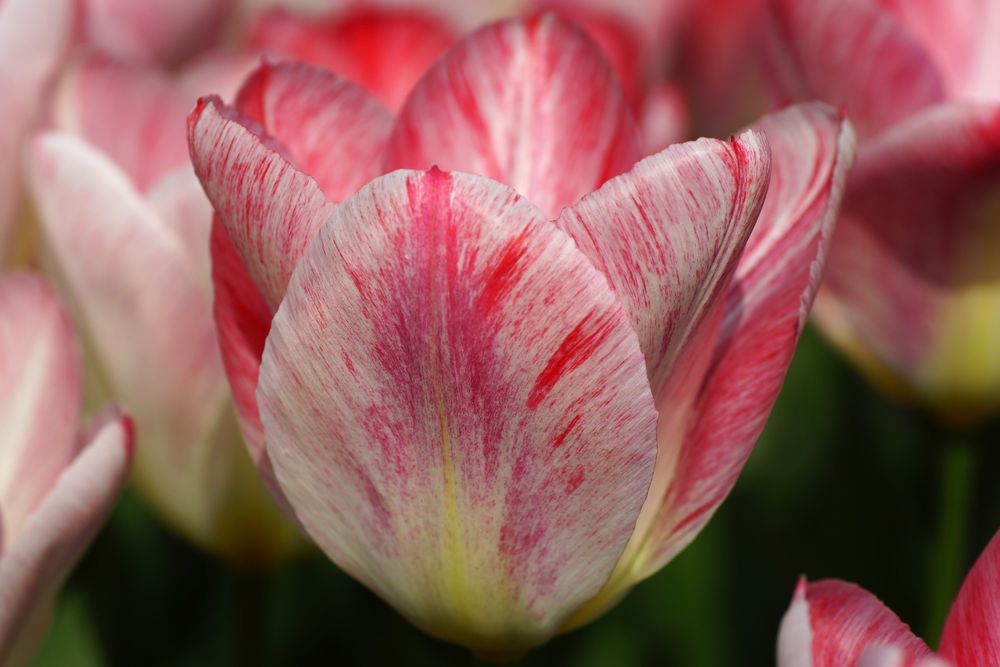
913, 291
516, 371
57, 484
832, 623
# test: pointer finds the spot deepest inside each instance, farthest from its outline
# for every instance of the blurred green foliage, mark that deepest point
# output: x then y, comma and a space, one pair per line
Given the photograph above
843, 483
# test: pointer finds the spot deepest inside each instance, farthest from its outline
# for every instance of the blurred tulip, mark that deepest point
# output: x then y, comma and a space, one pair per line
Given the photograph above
912, 295
34, 37
57, 485
498, 423
127, 225
832, 623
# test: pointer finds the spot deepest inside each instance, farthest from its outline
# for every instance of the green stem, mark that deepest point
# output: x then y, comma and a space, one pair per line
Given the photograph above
948, 561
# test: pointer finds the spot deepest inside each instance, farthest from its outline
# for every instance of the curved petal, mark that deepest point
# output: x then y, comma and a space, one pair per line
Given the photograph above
59, 530
331, 129
825, 50
162, 30
34, 36
145, 310
764, 311
457, 408
270, 209
972, 632
844, 620
531, 103
383, 51
919, 222
40, 395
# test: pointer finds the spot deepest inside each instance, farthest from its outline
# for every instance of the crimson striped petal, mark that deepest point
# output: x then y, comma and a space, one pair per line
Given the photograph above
457, 408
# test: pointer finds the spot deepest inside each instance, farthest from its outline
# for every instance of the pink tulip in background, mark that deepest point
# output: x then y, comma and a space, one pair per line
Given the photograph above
832, 623
57, 484
503, 391
912, 294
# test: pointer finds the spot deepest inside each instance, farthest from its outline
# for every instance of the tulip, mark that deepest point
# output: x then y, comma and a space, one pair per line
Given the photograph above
833, 623
912, 296
57, 484
127, 227
499, 423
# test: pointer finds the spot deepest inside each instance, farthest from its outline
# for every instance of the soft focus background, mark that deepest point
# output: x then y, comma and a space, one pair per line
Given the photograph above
844, 483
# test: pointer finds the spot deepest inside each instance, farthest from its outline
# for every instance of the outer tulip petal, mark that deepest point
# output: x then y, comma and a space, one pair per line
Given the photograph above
531, 103
146, 312
34, 35
765, 311
668, 235
59, 530
383, 51
331, 129
919, 220
40, 395
844, 620
457, 407
972, 632
825, 50
270, 209
162, 30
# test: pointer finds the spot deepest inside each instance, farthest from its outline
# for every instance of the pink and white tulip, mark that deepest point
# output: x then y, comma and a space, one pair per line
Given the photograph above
503, 391
127, 226
912, 294
832, 623
57, 484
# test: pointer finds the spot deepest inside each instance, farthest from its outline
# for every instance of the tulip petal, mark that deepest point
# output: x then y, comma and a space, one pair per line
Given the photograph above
145, 310
270, 209
383, 51
40, 395
765, 311
162, 30
532, 103
825, 50
331, 129
668, 235
972, 632
34, 35
457, 408
919, 221
844, 620
59, 530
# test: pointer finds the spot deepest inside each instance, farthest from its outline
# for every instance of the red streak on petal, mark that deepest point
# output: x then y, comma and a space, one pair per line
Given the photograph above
578, 345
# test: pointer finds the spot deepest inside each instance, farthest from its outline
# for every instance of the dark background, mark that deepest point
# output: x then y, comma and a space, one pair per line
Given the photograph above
844, 483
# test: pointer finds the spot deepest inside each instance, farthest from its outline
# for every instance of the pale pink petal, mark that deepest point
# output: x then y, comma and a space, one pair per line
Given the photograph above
664, 117
331, 129
136, 113
59, 530
795, 636
383, 51
971, 635
137, 294
764, 313
270, 209
825, 50
844, 621
147, 30
457, 408
919, 222
532, 103
894, 656
34, 35
40, 395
